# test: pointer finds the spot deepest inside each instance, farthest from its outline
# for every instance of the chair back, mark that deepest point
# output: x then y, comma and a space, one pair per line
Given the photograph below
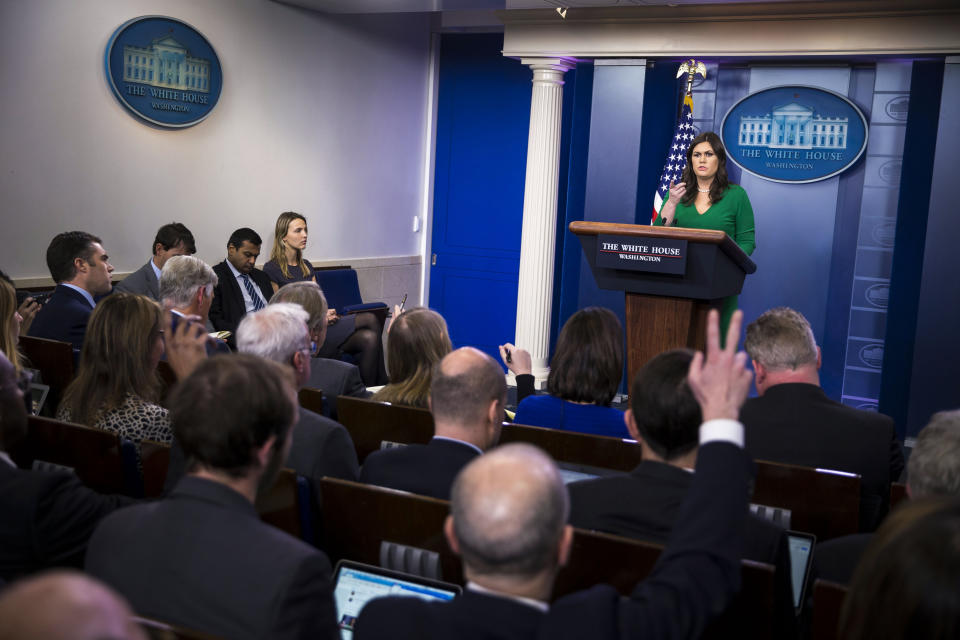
340, 286
898, 493
157, 630
54, 360
372, 423
155, 460
828, 600
822, 502
280, 504
311, 400
578, 448
93, 454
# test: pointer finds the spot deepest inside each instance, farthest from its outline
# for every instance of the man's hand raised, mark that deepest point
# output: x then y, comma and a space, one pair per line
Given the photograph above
720, 382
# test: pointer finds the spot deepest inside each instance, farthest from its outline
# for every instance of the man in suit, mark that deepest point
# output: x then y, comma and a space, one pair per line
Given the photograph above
467, 394
242, 288
81, 269
933, 471
186, 289
333, 377
172, 239
793, 420
201, 558
321, 447
507, 521
46, 518
65, 605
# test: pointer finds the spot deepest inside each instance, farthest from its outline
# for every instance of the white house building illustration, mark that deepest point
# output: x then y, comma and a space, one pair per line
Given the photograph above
166, 63
793, 126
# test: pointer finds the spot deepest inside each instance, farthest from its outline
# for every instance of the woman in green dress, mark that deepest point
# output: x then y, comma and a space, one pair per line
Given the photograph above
705, 199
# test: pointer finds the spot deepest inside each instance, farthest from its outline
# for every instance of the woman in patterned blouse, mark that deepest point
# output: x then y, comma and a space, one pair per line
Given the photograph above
117, 386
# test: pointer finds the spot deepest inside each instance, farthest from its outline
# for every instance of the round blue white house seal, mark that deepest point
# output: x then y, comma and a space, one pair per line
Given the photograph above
164, 71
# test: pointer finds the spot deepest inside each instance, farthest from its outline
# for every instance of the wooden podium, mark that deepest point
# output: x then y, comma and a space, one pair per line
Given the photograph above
668, 311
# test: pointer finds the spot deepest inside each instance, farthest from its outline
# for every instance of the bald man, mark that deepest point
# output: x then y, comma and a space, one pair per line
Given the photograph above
65, 605
467, 394
508, 522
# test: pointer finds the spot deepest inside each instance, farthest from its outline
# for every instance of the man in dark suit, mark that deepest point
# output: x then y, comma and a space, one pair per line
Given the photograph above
242, 287
186, 289
467, 394
933, 471
793, 420
201, 558
333, 377
46, 518
81, 269
507, 521
172, 239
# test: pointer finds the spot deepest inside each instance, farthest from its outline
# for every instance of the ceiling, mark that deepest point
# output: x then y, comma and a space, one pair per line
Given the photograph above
401, 6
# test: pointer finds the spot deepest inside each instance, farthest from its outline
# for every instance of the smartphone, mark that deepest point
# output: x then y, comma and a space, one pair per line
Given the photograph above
403, 302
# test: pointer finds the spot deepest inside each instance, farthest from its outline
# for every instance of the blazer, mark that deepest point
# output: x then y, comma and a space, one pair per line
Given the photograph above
428, 469
64, 317
202, 559
837, 559
143, 281
335, 378
554, 413
694, 579
47, 519
228, 307
798, 423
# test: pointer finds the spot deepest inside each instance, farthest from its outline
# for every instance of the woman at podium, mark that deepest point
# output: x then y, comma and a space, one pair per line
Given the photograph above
705, 199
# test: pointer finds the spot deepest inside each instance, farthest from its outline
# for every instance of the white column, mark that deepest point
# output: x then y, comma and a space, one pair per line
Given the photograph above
535, 290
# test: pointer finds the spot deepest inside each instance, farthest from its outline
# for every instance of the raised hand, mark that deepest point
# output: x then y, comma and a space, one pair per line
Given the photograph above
720, 382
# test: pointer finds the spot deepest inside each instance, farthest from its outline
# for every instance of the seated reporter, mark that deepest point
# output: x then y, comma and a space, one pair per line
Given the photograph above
584, 377
416, 341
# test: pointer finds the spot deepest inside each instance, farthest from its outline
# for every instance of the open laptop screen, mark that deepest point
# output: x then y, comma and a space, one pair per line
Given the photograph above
356, 584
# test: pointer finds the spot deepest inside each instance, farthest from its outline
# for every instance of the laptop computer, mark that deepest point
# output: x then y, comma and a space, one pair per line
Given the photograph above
356, 584
801, 559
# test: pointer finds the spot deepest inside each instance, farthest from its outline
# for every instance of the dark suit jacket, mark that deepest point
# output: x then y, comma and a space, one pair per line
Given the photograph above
228, 308
64, 317
335, 378
798, 424
837, 559
46, 519
694, 579
202, 559
428, 469
143, 281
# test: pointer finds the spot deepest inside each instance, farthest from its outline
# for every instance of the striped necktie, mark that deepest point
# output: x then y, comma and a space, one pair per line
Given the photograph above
252, 292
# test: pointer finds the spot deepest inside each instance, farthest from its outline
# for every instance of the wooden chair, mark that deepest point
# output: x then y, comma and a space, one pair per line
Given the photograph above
370, 423
280, 504
54, 359
828, 600
898, 493
157, 630
93, 454
311, 400
822, 502
155, 460
578, 448
362, 517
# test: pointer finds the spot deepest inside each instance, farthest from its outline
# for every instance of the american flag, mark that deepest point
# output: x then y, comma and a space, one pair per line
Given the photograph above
676, 156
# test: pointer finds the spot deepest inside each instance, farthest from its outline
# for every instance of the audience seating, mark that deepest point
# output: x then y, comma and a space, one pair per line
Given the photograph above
822, 502
168, 378
370, 423
157, 630
154, 460
54, 360
342, 290
93, 454
828, 600
898, 493
311, 400
362, 517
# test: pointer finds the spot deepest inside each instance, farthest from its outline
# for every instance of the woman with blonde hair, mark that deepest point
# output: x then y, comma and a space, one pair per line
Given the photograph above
16, 320
355, 334
117, 387
416, 341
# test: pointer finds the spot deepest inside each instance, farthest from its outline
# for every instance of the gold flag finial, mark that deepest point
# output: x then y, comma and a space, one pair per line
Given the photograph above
692, 67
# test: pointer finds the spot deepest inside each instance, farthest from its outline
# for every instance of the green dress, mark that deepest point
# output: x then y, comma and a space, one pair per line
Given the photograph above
731, 214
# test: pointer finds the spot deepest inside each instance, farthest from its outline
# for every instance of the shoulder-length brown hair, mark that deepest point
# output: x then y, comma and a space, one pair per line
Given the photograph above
418, 339
279, 254
588, 362
8, 341
720, 181
115, 358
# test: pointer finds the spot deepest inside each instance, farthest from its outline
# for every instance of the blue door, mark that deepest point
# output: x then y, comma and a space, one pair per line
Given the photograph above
483, 116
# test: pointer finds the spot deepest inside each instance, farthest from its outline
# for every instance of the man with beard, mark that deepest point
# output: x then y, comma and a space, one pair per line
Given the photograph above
201, 558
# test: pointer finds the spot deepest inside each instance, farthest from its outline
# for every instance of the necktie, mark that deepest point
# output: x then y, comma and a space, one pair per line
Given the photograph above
252, 292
